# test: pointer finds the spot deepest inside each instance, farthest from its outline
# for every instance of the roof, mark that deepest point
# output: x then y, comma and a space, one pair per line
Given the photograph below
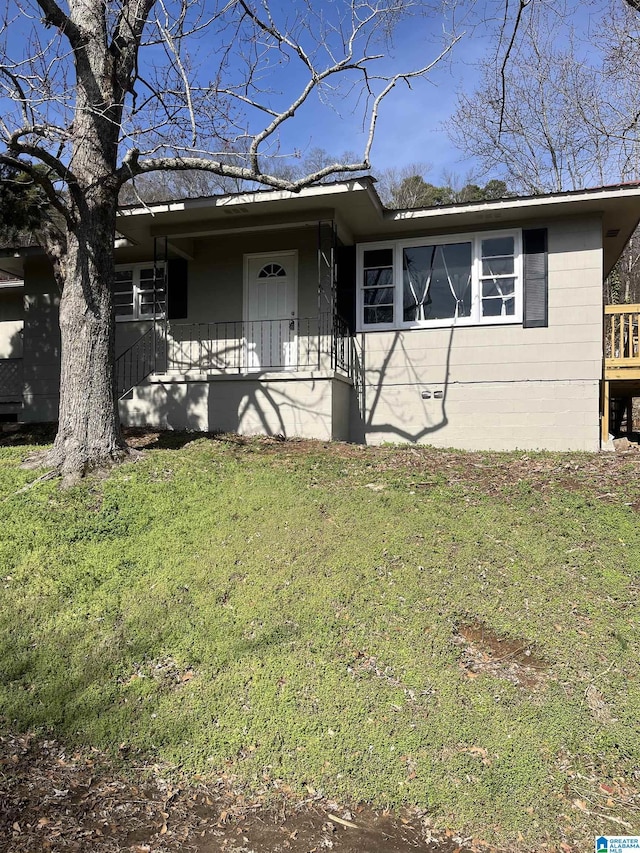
360, 215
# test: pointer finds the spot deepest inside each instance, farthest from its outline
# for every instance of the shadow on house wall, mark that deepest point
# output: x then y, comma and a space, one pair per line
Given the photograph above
394, 387
41, 344
392, 398
386, 402
288, 406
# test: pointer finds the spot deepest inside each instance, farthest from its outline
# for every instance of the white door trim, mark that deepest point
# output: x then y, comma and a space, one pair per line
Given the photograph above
252, 256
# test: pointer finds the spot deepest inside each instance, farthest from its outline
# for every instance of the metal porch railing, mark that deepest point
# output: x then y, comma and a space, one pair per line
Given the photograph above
136, 363
309, 343
295, 344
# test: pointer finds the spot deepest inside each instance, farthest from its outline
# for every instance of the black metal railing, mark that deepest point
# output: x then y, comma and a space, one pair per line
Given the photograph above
308, 343
357, 372
136, 363
10, 380
341, 346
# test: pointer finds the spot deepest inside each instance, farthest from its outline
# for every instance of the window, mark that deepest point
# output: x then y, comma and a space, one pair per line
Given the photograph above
466, 280
378, 286
436, 282
272, 271
135, 296
498, 277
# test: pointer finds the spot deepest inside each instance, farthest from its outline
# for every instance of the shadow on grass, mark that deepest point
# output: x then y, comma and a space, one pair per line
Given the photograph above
141, 438
23, 435
73, 680
148, 438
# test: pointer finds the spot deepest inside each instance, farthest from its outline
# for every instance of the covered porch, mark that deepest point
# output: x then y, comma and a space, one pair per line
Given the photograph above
256, 343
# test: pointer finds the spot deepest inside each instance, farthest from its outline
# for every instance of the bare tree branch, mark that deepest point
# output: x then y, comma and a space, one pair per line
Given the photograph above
127, 37
54, 16
559, 123
16, 146
516, 26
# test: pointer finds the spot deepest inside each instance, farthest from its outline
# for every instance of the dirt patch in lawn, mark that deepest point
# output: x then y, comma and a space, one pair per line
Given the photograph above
483, 651
56, 800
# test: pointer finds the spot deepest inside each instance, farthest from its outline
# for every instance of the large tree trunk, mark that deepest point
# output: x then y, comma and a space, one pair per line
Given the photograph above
89, 433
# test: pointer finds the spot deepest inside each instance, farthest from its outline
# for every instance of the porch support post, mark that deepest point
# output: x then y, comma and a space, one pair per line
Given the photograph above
605, 410
326, 286
160, 277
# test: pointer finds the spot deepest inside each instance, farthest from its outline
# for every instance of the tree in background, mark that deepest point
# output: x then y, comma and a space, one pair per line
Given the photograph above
542, 131
96, 93
561, 114
24, 207
407, 187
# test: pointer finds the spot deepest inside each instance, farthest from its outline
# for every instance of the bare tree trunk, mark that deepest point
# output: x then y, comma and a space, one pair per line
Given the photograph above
89, 434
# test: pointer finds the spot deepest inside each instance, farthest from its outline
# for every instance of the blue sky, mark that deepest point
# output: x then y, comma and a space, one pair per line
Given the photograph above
410, 123
410, 128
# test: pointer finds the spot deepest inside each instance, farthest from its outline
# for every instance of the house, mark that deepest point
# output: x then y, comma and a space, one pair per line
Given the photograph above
323, 314
11, 324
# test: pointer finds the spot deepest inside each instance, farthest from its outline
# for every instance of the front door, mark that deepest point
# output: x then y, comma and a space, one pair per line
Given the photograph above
271, 311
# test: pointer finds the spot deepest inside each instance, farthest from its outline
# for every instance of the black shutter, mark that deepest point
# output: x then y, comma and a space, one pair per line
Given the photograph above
177, 289
346, 284
536, 278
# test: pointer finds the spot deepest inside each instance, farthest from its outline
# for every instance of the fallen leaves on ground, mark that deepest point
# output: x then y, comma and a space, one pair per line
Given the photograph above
58, 800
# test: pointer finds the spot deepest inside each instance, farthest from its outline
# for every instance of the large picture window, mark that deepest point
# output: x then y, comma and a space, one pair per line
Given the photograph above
466, 280
436, 282
135, 296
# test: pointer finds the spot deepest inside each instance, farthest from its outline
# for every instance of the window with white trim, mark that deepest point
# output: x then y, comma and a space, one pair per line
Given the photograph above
465, 279
377, 285
135, 294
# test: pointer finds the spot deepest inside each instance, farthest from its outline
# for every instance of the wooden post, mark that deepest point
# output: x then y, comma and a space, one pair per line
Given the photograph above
605, 410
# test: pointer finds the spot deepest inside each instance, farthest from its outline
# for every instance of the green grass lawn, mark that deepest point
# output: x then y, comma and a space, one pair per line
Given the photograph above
287, 614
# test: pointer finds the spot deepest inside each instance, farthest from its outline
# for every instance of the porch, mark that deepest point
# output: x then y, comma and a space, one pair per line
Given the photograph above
290, 377
241, 348
621, 373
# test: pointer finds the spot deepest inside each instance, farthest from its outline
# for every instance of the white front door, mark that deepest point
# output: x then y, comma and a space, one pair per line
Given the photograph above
271, 297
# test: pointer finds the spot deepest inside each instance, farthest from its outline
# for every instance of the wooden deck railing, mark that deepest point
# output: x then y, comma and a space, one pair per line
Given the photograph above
621, 350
